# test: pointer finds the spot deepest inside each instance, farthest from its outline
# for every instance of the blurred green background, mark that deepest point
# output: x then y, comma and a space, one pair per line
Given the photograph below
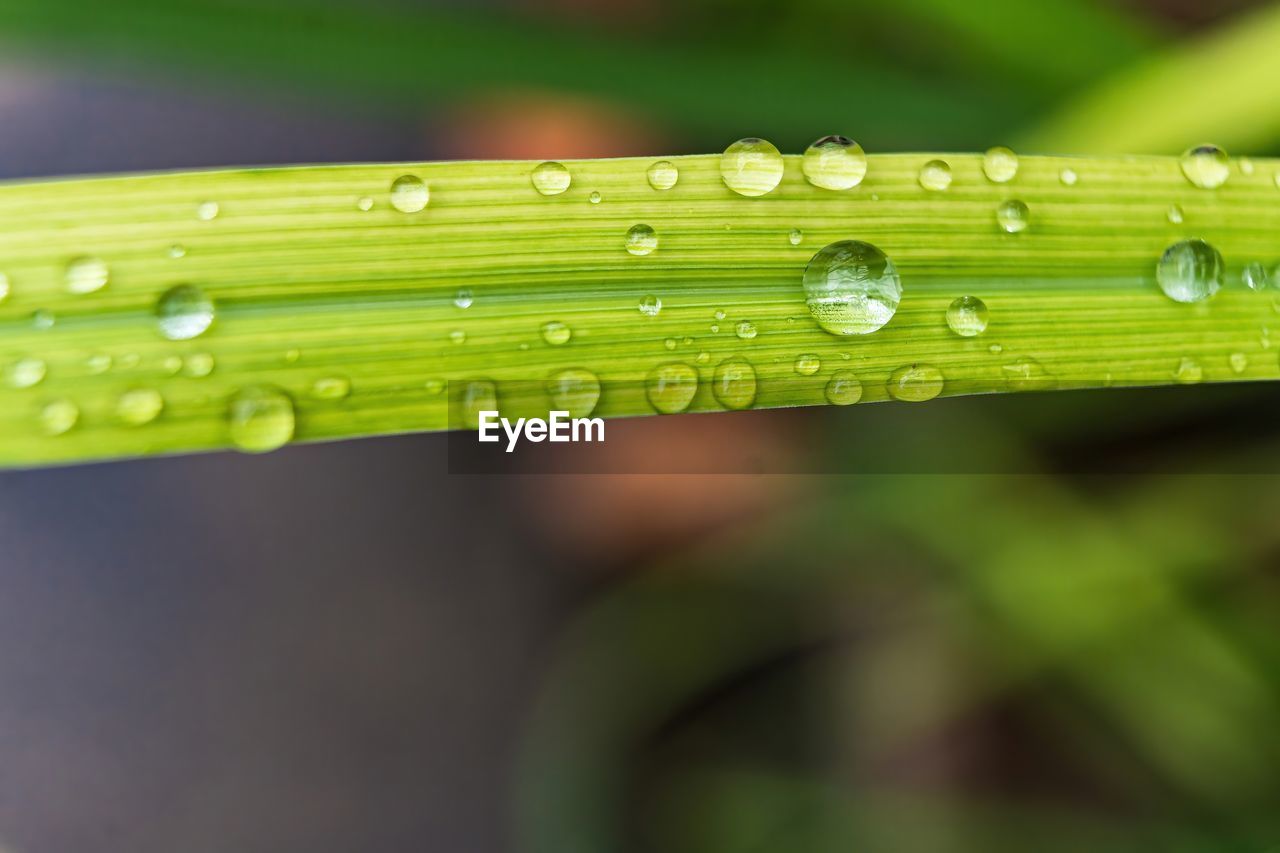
342, 647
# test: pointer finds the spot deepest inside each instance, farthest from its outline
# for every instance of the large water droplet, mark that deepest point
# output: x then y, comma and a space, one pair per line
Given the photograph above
834, 163
807, 364
915, 383
734, 383
1000, 164
260, 418
139, 406
1206, 166
844, 389
1013, 216
331, 388
59, 416
663, 175
551, 178
650, 305
26, 372
671, 387
967, 316
752, 167
556, 333
87, 274
409, 194
184, 312
1188, 372
641, 240
1190, 271
574, 390
935, 175
851, 288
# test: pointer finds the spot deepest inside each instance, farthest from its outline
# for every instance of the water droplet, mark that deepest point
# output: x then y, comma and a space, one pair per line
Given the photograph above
1175, 214
26, 372
98, 364
463, 298
671, 387
595, 197
574, 390
1027, 374
1000, 164
43, 318
663, 175
184, 312
551, 178
331, 388
851, 288
1013, 216
714, 328
172, 365
1239, 362
935, 175
198, 365
177, 250
1190, 271
556, 333
808, 364
844, 389
734, 383
1206, 166
746, 330
687, 341
967, 316
1068, 177
834, 163
409, 194
260, 418
433, 386
641, 240
208, 211
87, 274
795, 236
719, 315
752, 167
915, 383
1246, 166
364, 203
458, 336
650, 306
139, 406
669, 343
995, 349
1254, 276
59, 416
1189, 371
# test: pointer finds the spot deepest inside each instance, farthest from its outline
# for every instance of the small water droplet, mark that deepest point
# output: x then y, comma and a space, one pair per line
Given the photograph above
98, 364
915, 383
208, 211
703, 357
1068, 177
184, 312
463, 298
410, 194
292, 355
967, 316
1000, 164
1175, 214
139, 406
574, 390
650, 306
671, 387
59, 417
714, 328
1027, 374
177, 250
129, 360
26, 372
458, 336
556, 333
663, 175
433, 386
795, 236
844, 389
260, 418
641, 240
595, 197
734, 383
87, 274
1239, 362
551, 178
719, 315
669, 343
198, 365
1013, 216
1246, 166
1190, 271
365, 203
834, 163
808, 364
746, 330
687, 341
42, 319
935, 175
1206, 166
171, 365
1189, 371
1254, 276
752, 167
851, 288
995, 349
331, 388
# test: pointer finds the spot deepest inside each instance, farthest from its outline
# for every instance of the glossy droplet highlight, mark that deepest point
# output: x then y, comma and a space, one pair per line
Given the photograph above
59, 417
556, 333
364, 203
1190, 271
807, 364
1188, 371
844, 389
834, 163
650, 306
1000, 164
641, 240
752, 167
915, 383
575, 390
1013, 216
935, 175
260, 418
184, 312
198, 365
139, 406
671, 387
42, 319
967, 316
595, 197
734, 384
26, 372
663, 175
745, 330
409, 194
1255, 276
551, 178
331, 388
795, 237
463, 298
1068, 177
1206, 166
457, 336
1175, 214
851, 288
87, 274
1027, 374
1239, 362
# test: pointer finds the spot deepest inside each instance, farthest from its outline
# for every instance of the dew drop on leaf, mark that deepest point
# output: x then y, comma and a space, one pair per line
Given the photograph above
1000, 165
807, 364
967, 316
184, 312
1206, 166
734, 383
139, 406
935, 175
671, 387
663, 175
844, 389
574, 390
556, 333
752, 167
915, 383
1013, 216
851, 288
260, 418
641, 240
551, 178
834, 163
409, 194
87, 274
1190, 271
59, 417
